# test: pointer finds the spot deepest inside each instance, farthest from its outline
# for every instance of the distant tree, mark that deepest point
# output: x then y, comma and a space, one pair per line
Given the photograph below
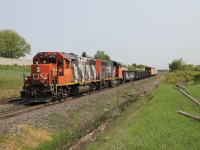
189, 67
124, 65
141, 66
12, 45
84, 54
132, 67
129, 67
177, 64
197, 68
101, 55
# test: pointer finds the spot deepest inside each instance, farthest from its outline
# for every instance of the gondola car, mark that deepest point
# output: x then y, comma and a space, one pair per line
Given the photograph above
136, 75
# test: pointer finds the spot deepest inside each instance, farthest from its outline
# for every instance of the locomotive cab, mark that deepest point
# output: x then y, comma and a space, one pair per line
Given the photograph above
44, 69
48, 70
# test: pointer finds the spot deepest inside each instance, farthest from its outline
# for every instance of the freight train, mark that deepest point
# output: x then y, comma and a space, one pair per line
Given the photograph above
58, 75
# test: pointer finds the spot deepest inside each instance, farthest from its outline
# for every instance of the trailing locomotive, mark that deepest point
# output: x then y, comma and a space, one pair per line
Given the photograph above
56, 75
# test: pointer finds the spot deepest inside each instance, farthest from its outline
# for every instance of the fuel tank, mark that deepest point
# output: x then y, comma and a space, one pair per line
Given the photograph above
80, 89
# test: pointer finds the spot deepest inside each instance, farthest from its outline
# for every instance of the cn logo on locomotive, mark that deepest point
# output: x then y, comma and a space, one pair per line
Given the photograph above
38, 69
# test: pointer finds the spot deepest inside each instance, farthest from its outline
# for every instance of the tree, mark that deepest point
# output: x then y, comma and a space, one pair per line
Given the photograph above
131, 67
12, 45
101, 55
84, 54
189, 67
197, 68
141, 67
177, 64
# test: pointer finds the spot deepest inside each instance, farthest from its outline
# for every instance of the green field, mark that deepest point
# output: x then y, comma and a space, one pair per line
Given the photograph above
11, 77
16, 68
152, 123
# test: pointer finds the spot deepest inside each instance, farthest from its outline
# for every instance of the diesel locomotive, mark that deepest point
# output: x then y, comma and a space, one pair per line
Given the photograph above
58, 75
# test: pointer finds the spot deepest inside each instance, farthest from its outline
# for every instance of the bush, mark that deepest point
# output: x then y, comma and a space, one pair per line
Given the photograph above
182, 77
197, 78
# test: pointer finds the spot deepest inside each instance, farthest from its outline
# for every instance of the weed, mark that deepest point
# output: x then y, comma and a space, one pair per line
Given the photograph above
155, 126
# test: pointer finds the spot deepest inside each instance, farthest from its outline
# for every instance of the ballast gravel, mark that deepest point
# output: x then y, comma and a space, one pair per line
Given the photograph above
36, 117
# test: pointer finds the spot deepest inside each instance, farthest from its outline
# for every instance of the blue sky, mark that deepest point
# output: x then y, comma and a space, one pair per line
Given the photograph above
150, 32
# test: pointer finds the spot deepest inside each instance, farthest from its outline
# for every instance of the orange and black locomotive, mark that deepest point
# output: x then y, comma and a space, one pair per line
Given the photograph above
56, 75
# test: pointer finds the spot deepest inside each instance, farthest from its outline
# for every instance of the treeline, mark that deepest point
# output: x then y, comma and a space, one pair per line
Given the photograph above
134, 67
180, 72
180, 64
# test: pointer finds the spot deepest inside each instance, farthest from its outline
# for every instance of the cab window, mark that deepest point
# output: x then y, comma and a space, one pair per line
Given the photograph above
35, 61
60, 61
43, 61
52, 60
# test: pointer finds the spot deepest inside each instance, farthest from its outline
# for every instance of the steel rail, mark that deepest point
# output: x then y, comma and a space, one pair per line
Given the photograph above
8, 100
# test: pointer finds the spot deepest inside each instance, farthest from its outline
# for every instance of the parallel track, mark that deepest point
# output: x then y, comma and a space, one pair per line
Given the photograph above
14, 111
8, 100
22, 109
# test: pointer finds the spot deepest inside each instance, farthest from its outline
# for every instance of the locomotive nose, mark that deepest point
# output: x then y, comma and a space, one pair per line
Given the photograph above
41, 73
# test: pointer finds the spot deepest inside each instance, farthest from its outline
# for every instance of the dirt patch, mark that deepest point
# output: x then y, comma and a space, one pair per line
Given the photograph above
7, 93
27, 136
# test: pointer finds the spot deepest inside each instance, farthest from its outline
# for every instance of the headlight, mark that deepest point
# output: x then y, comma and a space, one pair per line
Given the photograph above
26, 78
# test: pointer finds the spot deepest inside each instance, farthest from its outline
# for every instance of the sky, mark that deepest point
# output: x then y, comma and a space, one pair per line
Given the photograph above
149, 32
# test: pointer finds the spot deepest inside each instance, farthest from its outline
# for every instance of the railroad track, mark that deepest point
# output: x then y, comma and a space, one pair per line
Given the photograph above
8, 100
14, 111
22, 108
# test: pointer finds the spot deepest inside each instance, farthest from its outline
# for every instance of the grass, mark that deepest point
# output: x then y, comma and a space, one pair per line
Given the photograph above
9, 87
11, 77
193, 89
79, 121
66, 128
30, 135
156, 125
83, 119
16, 68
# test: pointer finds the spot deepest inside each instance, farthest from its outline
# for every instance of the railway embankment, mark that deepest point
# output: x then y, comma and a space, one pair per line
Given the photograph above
60, 126
156, 125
